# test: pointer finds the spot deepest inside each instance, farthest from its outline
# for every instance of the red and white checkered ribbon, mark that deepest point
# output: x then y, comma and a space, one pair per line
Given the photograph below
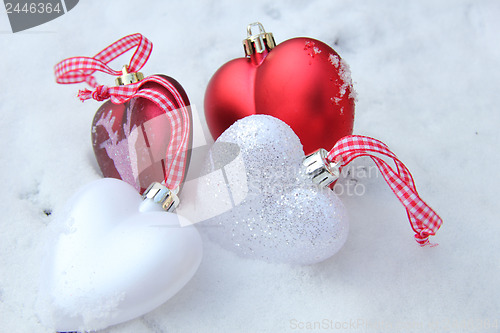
423, 220
80, 69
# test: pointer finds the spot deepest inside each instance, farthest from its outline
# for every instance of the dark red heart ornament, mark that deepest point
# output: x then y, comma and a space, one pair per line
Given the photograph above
301, 81
130, 140
143, 133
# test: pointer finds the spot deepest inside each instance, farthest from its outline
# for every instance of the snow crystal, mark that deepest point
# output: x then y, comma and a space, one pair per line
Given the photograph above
345, 75
311, 48
334, 60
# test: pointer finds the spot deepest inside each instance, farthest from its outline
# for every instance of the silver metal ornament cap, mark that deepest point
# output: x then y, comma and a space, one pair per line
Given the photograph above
258, 43
162, 195
322, 172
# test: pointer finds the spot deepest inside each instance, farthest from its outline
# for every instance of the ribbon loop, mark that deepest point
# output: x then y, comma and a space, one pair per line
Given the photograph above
423, 219
81, 69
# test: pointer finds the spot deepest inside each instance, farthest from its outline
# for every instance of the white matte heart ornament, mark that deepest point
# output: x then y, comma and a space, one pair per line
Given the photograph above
114, 257
283, 216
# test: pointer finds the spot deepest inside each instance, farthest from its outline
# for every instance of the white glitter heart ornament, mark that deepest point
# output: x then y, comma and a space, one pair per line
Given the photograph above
277, 213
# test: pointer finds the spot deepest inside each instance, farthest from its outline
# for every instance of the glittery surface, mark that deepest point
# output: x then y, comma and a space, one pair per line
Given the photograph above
284, 217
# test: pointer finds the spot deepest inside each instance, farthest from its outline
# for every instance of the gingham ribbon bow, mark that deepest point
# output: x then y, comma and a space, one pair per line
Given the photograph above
423, 220
81, 69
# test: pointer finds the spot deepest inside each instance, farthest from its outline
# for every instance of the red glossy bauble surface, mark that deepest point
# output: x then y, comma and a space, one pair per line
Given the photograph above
130, 140
301, 81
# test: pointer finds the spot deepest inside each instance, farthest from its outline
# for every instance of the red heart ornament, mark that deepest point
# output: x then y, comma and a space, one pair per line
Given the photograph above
130, 140
301, 81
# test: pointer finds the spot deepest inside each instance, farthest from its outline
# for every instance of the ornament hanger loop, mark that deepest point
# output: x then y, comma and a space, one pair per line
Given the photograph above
81, 69
258, 43
423, 219
255, 24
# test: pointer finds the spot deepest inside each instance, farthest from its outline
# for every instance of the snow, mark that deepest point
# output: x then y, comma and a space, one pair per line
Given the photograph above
344, 73
427, 77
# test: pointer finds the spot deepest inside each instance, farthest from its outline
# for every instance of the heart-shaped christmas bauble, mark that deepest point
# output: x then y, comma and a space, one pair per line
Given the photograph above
130, 140
114, 257
301, 81
283, 216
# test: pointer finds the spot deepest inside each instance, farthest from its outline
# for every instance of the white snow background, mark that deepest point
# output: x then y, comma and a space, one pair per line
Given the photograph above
427, 74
